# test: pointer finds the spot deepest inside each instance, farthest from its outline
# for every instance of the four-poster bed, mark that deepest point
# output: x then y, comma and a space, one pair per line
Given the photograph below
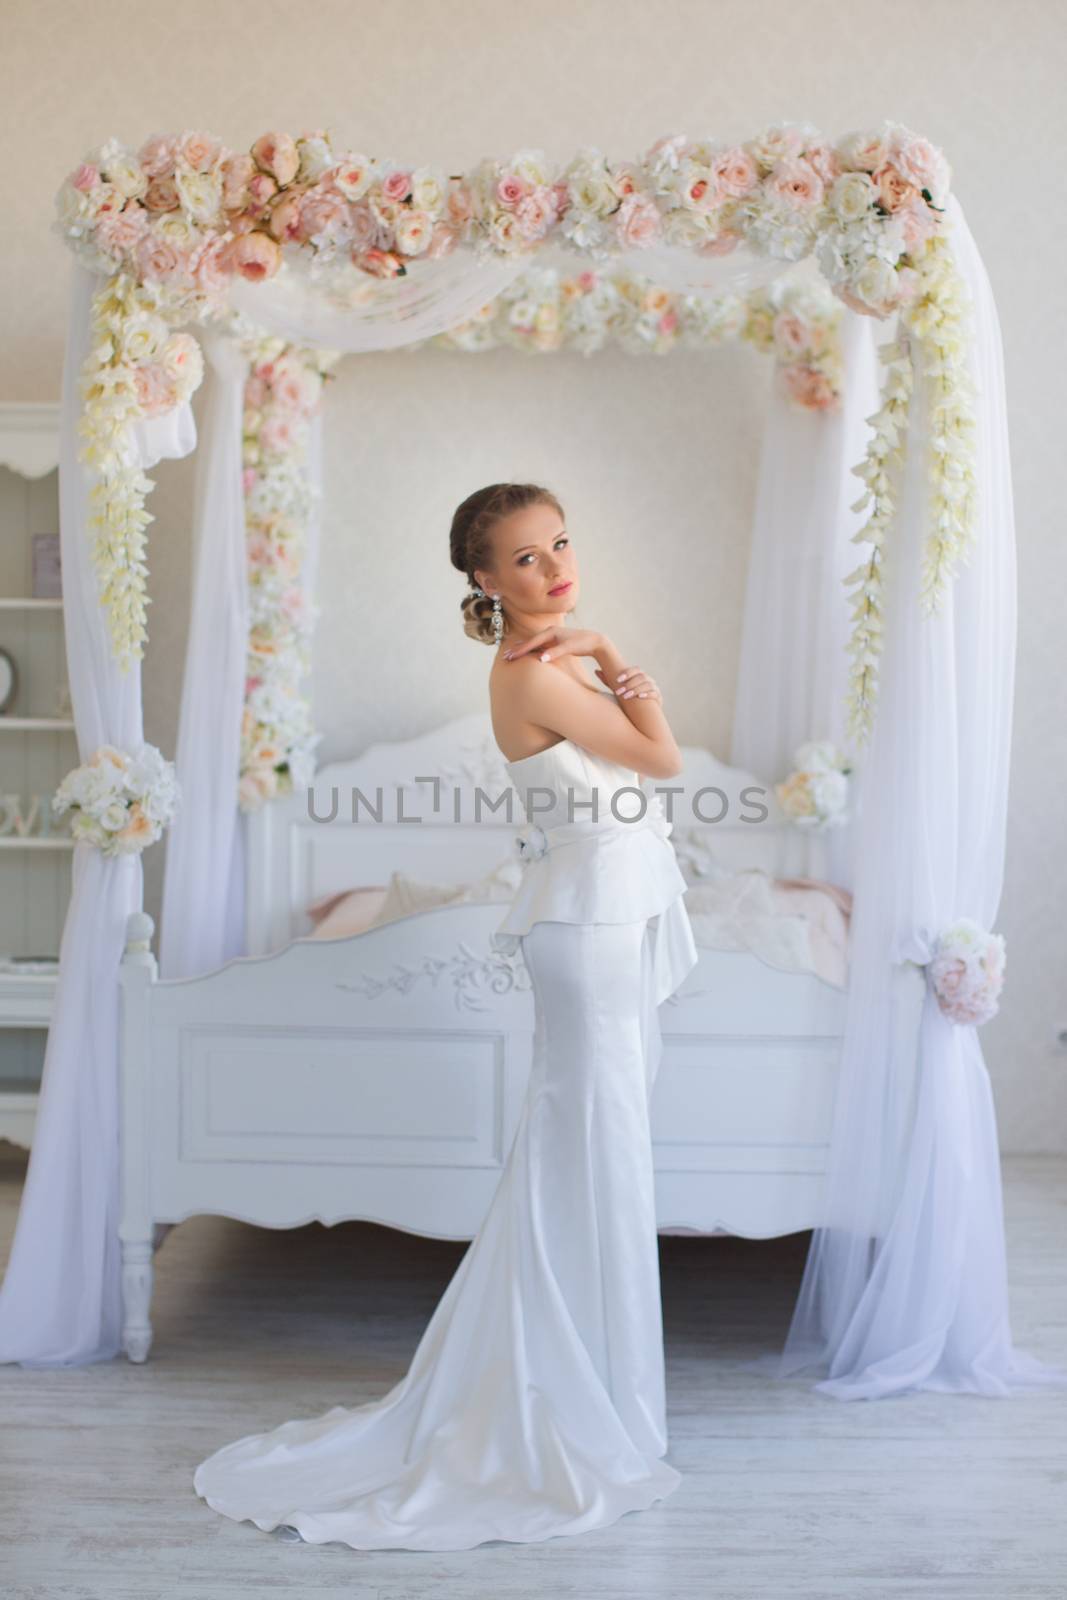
292, 255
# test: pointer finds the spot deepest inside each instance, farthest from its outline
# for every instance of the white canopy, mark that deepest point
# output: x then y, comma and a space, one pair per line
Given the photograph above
906, 1283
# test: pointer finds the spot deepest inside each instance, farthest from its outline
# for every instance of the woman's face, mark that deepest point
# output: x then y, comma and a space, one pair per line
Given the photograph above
532, 555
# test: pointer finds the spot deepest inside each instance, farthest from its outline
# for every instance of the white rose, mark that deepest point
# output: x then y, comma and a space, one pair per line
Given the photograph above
126, 175
531, 165
830, 792
426, 191
143, 337
200, 192
852, 195
113, 816
876, 283
591, 191
176, 230
316, 157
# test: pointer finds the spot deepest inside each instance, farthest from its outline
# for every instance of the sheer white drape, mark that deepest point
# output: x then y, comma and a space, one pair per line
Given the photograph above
793, 667
398, 311
203, 885
204, 891
905, 1284
60, 1303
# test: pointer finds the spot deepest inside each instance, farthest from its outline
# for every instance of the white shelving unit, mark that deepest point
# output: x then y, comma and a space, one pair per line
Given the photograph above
36, 748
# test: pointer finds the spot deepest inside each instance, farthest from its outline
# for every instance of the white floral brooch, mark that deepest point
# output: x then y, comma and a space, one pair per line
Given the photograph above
531, 843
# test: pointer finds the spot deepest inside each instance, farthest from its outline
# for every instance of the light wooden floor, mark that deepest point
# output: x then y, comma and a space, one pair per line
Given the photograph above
785, 1493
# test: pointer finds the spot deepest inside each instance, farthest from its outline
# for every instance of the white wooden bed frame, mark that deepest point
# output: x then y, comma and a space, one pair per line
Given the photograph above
381, 1077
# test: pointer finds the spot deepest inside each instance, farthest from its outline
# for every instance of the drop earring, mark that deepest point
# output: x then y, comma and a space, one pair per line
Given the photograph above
498, 614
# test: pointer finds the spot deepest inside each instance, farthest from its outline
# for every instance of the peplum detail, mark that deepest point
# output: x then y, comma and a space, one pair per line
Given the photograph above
587, 867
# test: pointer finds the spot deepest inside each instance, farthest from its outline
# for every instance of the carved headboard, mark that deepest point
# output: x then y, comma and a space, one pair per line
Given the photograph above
441, 807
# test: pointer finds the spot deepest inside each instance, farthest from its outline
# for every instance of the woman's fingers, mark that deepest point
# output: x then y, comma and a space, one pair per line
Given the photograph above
633, 683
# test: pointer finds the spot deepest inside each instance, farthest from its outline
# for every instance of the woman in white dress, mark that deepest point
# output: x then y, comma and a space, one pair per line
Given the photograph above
534, 1405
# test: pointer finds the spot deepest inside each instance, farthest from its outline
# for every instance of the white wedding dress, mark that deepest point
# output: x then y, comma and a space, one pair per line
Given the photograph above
535, 1402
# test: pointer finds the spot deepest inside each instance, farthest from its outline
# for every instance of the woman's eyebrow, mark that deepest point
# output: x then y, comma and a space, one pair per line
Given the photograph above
522, 547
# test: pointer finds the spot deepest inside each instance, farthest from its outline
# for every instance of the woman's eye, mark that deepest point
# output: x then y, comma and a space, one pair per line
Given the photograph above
563, 539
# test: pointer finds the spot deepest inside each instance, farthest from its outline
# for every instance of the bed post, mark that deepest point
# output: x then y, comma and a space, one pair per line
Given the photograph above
137, 974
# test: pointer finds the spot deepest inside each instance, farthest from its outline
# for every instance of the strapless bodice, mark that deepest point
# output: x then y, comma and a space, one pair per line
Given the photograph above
596, 848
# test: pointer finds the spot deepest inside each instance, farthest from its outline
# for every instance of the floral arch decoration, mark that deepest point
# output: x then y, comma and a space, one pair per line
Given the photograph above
176, 224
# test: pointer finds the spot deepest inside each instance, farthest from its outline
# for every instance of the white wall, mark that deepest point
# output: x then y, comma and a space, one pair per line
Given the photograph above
654, 459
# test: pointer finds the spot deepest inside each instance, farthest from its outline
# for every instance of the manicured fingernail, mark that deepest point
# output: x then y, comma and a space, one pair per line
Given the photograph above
507, 655
620, 677
641, 696
545, 656
628, 694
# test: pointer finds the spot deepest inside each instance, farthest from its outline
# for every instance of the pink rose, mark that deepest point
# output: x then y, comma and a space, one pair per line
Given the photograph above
210, 265
704, 195
459, 203
949, 973
162, 195
154, 389
362, 226
894, 190
809, 388
351, 178
587, 280
797, 182
276, 154
156, 156
291, 390
396, 185
248, 480
261, 189
922, 164
255, 256
120, 233
637, 221
668, 322
509, 191
790, 332
255, 392
735, 172
321, 210
85, 177
286, 219
157, 259
535, 214
825, 160
276, 436
199, 151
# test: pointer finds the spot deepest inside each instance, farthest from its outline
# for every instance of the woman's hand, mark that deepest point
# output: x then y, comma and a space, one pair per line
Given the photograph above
553, 642
632, 682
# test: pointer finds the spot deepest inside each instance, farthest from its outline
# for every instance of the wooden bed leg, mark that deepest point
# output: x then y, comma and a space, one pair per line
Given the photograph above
136, 1297
137, 975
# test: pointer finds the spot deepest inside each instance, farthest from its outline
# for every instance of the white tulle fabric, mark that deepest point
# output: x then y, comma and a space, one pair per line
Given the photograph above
203, 884
906, 1283
535, 1403
793, 666
60, 1303
432, 297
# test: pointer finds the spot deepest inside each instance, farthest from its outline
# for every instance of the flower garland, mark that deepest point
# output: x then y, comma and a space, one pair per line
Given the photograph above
543, 311
136, 368
966, 972
121, 803
815, 793
182, 216
282, 393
